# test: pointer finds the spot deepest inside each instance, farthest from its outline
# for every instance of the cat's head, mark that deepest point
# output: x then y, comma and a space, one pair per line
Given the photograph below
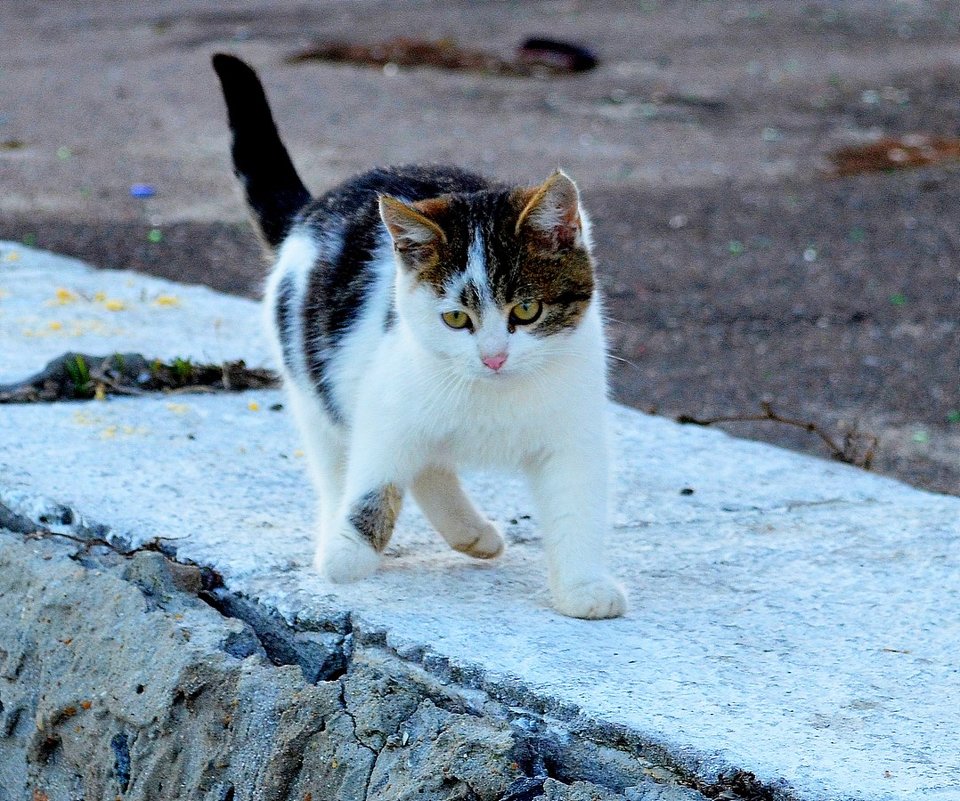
493, 281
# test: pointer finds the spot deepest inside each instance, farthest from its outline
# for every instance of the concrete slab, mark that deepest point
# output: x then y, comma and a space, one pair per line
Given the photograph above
50, 305
792, 617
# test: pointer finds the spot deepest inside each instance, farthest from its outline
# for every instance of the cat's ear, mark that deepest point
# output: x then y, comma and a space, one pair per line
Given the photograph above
415, 235
551, 212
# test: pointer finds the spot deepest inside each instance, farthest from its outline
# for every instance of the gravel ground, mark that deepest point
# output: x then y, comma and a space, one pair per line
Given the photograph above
738, 270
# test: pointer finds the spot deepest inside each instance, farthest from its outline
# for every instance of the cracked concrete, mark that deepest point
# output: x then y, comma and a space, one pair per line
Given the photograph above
792, 619
119, 681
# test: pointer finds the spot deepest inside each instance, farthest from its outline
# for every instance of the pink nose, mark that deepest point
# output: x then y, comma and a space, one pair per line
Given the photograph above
495, 362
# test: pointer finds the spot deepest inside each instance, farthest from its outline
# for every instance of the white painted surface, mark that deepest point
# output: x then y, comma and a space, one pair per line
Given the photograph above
51, 304
793, 617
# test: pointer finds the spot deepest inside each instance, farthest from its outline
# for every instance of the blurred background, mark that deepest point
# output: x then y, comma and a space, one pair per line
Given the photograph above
775, 186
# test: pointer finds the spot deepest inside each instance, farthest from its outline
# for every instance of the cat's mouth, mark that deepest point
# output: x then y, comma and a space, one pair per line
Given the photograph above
496, 376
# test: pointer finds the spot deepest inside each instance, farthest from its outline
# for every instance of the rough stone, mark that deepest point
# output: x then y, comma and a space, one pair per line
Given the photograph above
440, 755
578, 791
115, 683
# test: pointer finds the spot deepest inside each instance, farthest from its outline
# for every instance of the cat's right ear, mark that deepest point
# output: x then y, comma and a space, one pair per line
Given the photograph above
415, 236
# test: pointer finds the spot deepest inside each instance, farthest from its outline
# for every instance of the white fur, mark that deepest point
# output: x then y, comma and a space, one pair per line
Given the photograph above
419, 405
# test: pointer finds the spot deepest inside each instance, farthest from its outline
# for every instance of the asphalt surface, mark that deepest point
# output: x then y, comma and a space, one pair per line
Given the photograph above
738, 269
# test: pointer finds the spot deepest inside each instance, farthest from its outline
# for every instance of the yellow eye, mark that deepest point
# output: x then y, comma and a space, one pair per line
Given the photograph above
525, 312
456, 319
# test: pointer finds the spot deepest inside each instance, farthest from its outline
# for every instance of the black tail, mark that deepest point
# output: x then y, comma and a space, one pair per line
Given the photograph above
274, 190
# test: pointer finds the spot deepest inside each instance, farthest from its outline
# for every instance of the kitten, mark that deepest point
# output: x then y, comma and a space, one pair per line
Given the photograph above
428, 319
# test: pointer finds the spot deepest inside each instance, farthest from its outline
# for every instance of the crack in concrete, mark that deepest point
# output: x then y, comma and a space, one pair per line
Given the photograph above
353, 720
548, 732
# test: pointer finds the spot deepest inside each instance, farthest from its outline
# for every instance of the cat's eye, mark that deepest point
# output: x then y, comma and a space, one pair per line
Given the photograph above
526, 312
456, 319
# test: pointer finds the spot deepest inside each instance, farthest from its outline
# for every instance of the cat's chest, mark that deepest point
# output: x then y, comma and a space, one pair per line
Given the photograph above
494, 432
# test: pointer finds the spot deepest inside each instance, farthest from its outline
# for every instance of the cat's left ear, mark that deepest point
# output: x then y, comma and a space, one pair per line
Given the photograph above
415, 235
552, 212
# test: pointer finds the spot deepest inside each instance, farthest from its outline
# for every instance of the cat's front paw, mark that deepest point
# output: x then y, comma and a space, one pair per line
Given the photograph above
485, 542
342, 559
593, 599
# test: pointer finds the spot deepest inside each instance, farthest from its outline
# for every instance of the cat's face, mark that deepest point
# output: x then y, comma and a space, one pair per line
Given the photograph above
493, 282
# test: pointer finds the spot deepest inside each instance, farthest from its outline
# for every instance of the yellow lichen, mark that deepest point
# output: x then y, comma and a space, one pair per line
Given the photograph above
63, 297
83, 418
167, 300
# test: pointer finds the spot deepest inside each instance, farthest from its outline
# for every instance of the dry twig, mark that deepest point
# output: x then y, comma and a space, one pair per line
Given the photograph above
857, 448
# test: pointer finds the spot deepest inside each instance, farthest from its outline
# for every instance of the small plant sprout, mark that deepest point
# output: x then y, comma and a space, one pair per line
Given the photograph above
79, 374
183, 369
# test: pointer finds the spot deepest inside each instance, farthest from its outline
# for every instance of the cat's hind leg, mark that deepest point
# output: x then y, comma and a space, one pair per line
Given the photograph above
325, 444
441, 498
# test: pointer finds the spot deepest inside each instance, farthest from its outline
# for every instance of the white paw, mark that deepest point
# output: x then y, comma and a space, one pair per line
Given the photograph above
485, 542
342, 559
593, 599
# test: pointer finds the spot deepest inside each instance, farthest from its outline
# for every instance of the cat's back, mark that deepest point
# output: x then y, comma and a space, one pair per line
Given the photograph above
355, 200
351, 243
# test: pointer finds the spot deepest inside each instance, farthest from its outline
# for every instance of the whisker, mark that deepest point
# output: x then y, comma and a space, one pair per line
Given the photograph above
621, 359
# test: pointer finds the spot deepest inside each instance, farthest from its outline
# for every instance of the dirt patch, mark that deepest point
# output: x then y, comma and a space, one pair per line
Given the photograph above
901, 153
224, 256
539, 57
80, 376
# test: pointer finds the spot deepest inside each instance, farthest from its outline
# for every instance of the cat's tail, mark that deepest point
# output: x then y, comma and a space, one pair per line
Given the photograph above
261, 162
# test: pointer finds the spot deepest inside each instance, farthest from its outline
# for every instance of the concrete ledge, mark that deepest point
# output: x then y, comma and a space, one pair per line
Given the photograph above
792, 618
121, 682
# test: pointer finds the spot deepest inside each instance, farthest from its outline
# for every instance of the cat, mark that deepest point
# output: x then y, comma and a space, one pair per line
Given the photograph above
428, 319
